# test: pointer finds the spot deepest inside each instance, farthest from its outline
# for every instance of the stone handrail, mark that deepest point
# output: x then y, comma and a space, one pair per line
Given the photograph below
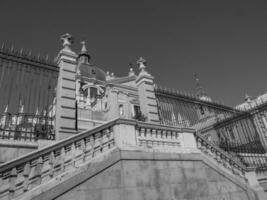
27, 172
222, 158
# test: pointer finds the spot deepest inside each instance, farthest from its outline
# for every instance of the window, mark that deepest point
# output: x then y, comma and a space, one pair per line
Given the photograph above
121, 109
136, 111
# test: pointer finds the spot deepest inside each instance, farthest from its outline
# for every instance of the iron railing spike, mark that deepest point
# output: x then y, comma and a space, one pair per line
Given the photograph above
165, 89
3, 46
12, 48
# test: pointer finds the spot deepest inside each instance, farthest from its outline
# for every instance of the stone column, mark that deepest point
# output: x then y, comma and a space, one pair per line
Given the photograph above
65, 122
147, 98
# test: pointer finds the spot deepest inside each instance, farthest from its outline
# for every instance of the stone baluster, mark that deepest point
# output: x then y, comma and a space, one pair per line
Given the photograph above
97, 143
149, 138
109, 139
174, 135
83, 148
218, 157
26, 173
38, 170
104, 140
12, 182
62, 160
141, 135
169, 135
92, 144
161, 144
51, 164
235, 170
199, 145
112, 139
101, 135
204, 147
154, 134
73, 154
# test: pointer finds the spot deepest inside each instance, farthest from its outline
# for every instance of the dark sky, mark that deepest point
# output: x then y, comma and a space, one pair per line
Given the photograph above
225, 42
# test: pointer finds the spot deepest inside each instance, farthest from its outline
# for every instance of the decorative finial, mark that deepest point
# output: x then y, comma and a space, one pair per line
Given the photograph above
30, 53
3, 46
37, 111
131, 72
47, 58
6, 109
21, 51
12, 48
108, 75
84, 57
141, 62
67, 41
21, 107
200, 91
247, 98
84, 50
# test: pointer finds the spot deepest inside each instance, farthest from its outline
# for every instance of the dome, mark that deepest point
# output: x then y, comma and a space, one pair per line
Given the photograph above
88, 71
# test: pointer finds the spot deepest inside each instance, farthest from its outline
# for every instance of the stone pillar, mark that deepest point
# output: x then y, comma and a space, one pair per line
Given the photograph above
147, 97
189, 142
65, 123
125, 135
251, 176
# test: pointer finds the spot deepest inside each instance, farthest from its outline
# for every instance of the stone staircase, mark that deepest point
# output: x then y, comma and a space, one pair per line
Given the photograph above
59, 171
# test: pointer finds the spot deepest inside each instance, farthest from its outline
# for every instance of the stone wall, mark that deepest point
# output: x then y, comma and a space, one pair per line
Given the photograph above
146, 175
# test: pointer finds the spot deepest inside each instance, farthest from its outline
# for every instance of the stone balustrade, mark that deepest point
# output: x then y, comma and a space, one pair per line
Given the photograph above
165, 138
221, 157
26, 173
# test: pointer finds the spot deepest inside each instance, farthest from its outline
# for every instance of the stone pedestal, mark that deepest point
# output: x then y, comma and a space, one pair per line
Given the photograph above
147, 98
65, 100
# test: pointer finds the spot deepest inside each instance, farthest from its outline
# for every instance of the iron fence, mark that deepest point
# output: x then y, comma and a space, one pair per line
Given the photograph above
241, 132
244, 136
29, 127
178, 109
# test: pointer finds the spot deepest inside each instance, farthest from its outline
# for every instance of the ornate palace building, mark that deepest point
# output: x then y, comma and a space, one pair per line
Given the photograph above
58, 109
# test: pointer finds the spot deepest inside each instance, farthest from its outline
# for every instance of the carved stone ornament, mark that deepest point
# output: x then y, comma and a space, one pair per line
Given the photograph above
141, 63
67, 40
